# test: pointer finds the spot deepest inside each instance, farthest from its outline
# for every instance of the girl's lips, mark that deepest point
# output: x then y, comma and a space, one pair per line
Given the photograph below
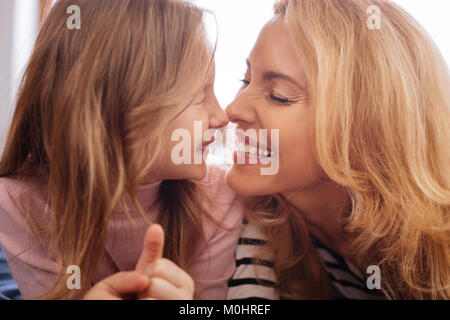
205, 145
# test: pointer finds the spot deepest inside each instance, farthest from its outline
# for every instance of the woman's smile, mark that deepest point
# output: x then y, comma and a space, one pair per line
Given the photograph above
252, 147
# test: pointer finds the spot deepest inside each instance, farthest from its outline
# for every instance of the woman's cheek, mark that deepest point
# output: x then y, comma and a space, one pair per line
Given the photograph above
298, 165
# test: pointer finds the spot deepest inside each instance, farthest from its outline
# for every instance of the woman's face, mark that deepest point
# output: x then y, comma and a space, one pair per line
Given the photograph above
190, 134
273, 96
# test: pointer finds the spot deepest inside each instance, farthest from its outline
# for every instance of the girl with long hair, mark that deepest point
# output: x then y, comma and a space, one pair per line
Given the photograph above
87, 164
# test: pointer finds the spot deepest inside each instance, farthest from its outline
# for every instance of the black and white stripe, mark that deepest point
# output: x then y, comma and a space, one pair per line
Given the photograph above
347, 281
255, 279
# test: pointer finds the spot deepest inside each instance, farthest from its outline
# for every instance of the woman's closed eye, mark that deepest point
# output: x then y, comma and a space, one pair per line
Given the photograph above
274, 97
280, 100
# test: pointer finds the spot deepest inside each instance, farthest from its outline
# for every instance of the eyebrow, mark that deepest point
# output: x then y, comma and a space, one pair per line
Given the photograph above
271, 75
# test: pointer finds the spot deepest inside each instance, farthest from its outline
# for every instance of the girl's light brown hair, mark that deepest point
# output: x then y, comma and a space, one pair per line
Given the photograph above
91, 114
382, 113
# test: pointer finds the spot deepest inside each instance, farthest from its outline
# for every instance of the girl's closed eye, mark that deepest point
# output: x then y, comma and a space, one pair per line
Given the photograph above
201, 97
245, 82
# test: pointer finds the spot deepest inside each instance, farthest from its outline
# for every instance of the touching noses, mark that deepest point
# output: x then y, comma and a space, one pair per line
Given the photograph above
218, 117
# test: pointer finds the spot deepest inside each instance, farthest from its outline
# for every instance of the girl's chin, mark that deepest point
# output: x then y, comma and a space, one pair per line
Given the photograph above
198, 172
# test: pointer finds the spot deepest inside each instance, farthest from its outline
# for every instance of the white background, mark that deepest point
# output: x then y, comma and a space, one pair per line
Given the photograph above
240, 21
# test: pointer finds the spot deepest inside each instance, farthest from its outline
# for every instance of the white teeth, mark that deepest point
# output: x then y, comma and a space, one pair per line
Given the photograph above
251, 150
263, 153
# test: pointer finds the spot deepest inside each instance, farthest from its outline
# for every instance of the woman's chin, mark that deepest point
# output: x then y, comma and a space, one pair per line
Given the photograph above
247, 181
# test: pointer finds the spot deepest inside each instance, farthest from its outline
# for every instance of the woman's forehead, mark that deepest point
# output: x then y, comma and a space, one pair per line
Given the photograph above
274, 52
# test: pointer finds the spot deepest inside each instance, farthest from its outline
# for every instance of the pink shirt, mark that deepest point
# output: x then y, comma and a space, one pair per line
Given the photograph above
213, 265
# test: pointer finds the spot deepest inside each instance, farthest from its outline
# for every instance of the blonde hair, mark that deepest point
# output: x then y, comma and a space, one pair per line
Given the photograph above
91, 114
382, 113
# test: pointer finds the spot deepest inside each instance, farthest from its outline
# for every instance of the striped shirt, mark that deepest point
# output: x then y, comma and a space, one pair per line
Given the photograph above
255, 279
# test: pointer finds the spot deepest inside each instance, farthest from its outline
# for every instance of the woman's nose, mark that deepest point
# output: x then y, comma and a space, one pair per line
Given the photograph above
240, 111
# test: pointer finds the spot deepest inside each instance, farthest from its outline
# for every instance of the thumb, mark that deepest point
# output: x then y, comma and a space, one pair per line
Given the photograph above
152, 248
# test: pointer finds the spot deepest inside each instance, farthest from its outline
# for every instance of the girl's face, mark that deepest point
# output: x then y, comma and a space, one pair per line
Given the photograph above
274, 96
187, 138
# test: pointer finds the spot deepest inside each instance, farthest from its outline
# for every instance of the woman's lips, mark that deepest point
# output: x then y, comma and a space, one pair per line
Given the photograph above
252, 151
253, 148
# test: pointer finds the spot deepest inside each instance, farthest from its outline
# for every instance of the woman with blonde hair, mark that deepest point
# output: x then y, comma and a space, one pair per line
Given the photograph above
360, 206
87, 165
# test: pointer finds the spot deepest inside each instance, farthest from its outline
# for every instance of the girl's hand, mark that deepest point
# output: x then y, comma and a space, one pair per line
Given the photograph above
155, 278
119, 286
167, 280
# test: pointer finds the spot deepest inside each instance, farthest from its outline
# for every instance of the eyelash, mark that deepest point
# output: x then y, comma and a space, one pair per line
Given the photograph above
281, 100
273, 97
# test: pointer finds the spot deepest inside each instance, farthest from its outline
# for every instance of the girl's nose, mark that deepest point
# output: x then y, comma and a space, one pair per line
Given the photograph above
219, 117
